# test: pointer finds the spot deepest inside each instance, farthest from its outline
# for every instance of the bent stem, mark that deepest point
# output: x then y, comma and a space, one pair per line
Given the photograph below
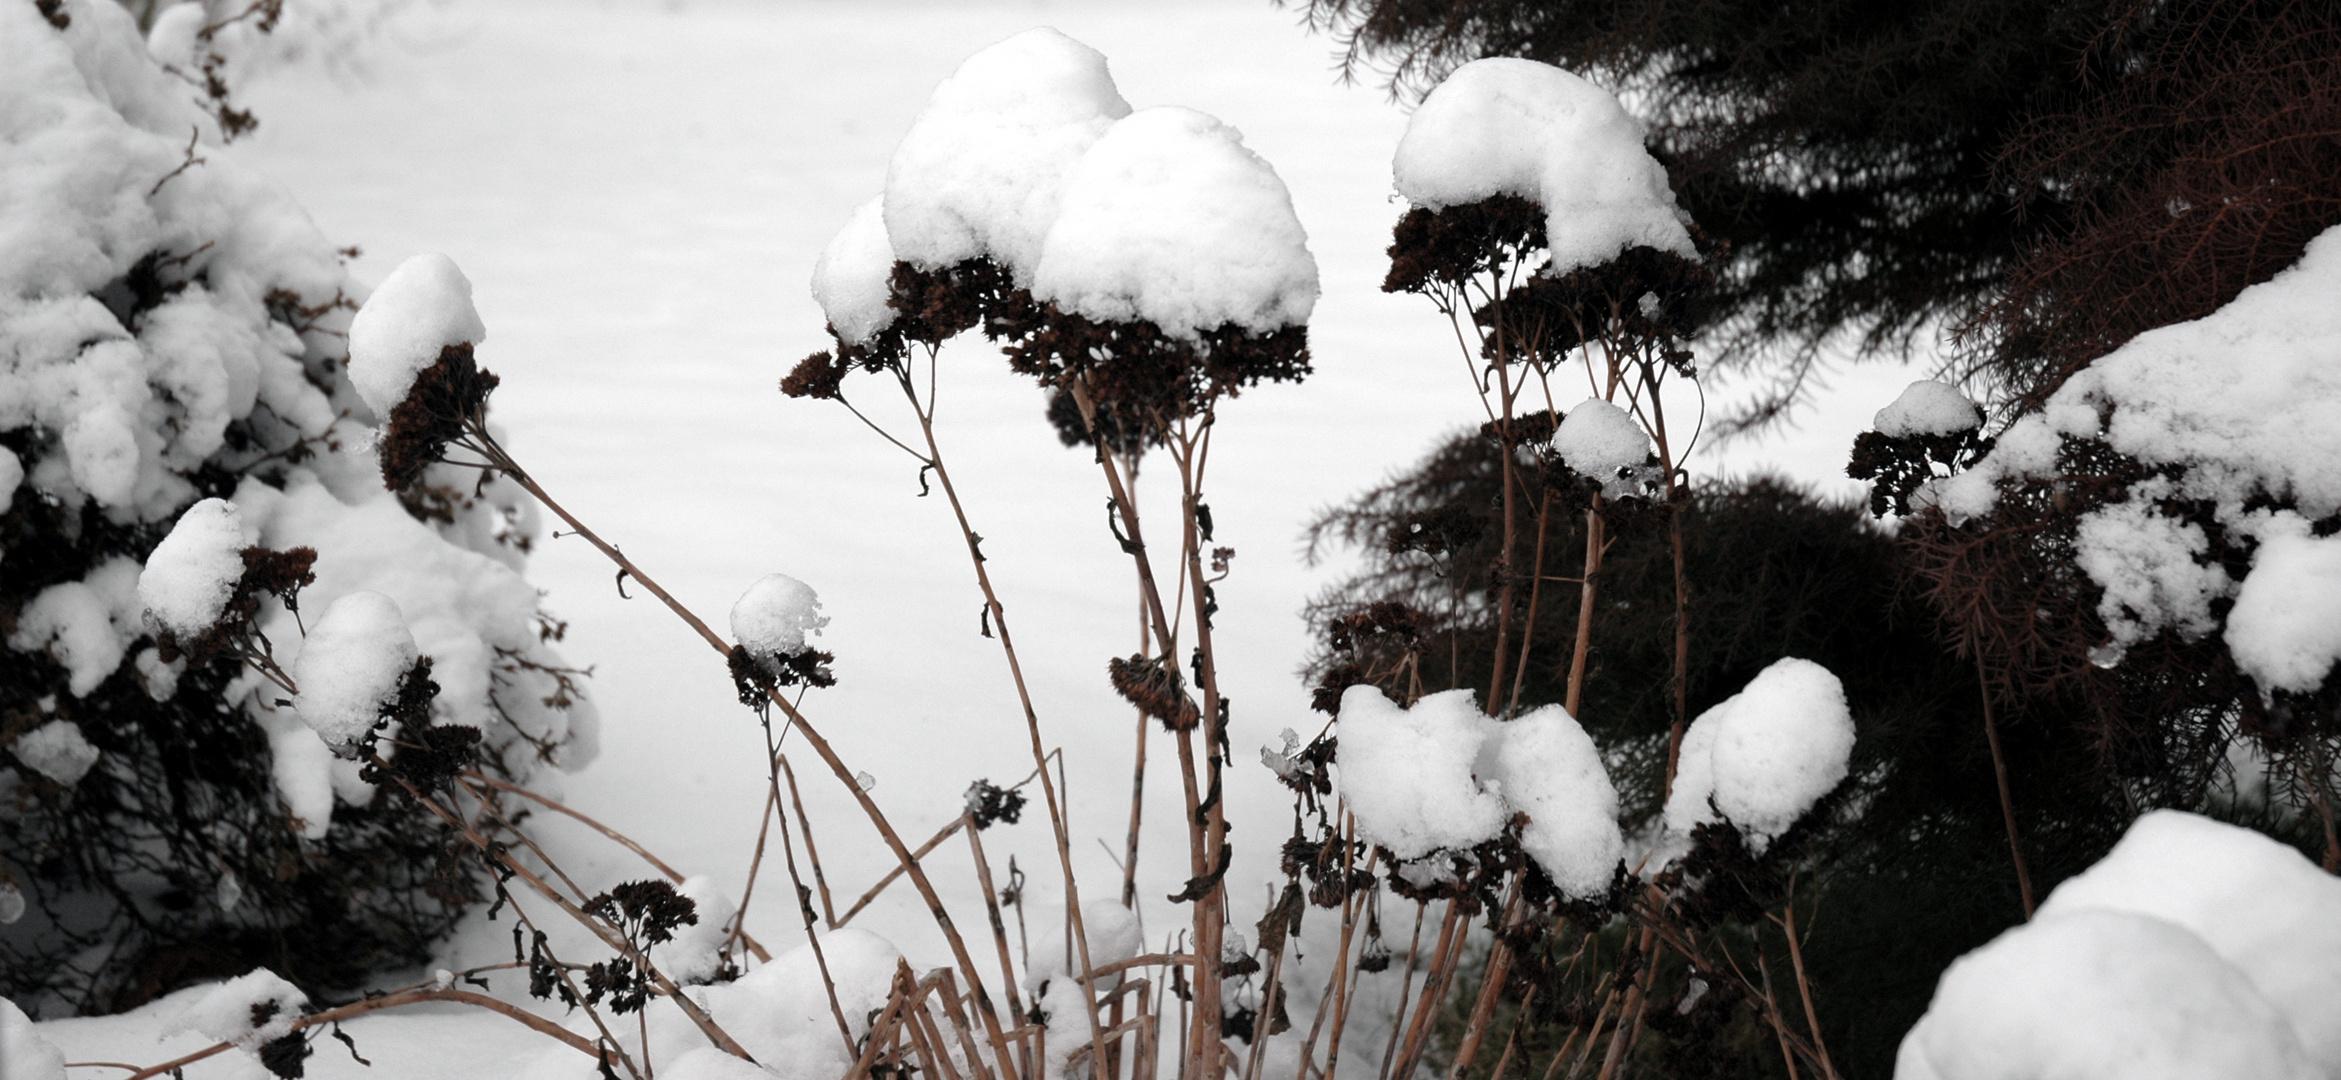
502, 461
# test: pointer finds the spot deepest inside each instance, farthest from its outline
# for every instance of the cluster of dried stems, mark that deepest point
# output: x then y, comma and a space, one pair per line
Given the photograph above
1520, 333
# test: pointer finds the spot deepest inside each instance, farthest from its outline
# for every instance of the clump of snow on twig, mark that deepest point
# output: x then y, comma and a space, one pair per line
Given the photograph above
1602, 441
850, 280
86, 626
695, 953
1408, 773
350, 667
1762, 757
1928, 407
247, 1011
983, 167
1504, 126
1549, 767
192, 574
423, 307
1171, 219
772, 618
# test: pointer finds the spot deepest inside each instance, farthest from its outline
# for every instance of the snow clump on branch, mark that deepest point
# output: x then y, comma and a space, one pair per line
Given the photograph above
1764, 756
851, 280
984, 166
771, 619
1504, 126
421, 309
351, 666
1171, 219
192, 574
245, 1011
1444, 776
1928, 407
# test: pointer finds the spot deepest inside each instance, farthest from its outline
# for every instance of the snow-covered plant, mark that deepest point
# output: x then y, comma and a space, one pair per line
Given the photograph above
2153, 542
188, 482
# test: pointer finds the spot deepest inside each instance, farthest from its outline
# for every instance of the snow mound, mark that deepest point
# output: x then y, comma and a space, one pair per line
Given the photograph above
709, 1063
247, 1010
1171, 219
2257, 903
56, 750
29, 1056
1549, 768
1765, 755
2099, 995
2285, 628
780, 1012
1408, 773
2192, 949
851, 280
423, 307
192, 574
1504, 126
982, 169
1928, 407
350, 667
772, 618
1114, 936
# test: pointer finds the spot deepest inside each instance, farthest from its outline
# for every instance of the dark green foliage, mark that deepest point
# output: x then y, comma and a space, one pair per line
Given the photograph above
1912, 866
1842, 151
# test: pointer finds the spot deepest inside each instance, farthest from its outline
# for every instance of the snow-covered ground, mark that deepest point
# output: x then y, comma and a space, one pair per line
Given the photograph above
638, 192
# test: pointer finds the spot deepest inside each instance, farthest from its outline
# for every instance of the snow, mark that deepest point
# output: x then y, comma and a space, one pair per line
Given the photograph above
982, 169
1549, 768
423, 307
695, 953
11, 478
772, 618
350, 667
2099, 995
190, 577
28, 1055
1408, 773
2192, 949
780, 1012
85, 625
1603, 441
1504, 126
2150, 566
56, 750
1114, 936
1171, 219
1928, 407
851, 280
2240, 403
1764, 756
2285, 628
248, 1010
2257, 903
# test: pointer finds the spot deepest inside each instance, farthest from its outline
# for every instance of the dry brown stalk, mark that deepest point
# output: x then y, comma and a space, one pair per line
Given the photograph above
942, 834
812, 940
812, 853
1436, 978
999, 617
1491, 987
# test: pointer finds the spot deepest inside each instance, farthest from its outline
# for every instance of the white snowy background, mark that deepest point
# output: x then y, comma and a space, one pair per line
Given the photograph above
638, 192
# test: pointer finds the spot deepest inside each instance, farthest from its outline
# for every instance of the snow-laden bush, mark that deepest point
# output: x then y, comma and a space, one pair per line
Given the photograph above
185, 460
